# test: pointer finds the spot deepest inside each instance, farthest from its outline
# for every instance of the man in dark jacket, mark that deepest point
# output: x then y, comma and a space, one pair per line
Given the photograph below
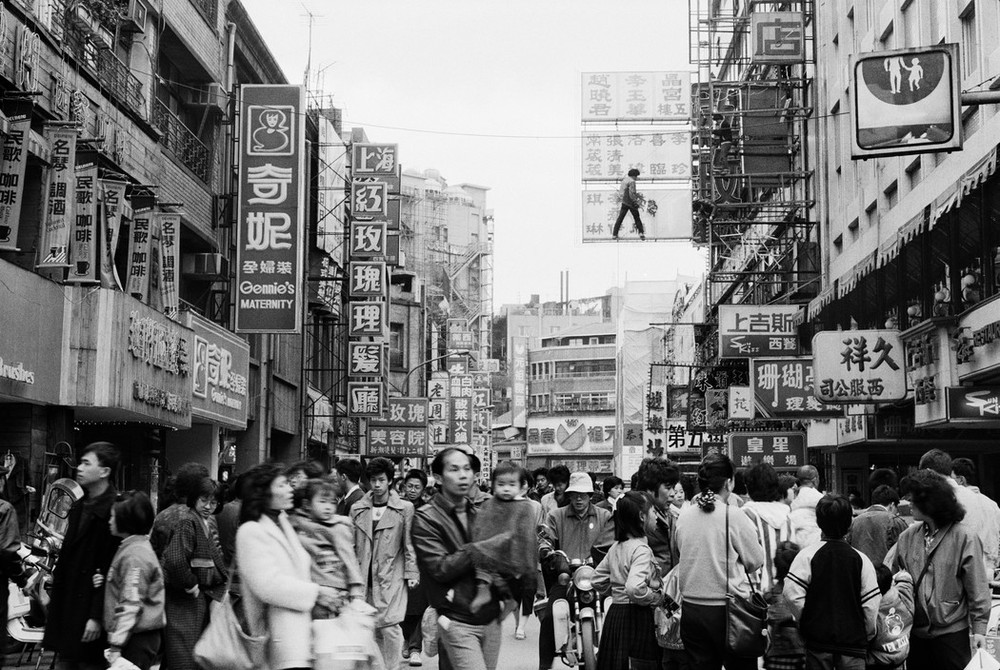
349, 470
630, 204
73, 625
442, 530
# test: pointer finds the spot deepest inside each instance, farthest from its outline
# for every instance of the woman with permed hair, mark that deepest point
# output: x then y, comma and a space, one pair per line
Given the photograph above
951, 590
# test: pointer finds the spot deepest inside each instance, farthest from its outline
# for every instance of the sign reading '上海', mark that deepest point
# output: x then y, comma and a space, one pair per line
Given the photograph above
859, 366
269, 220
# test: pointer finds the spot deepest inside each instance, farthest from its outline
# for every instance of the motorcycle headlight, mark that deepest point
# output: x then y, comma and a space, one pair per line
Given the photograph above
583, 578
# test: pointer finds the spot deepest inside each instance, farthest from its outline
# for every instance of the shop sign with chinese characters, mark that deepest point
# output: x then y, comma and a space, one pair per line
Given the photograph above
519, 382
780, 450
784, 389
12, 171
367, 279
270, 231
374, 159
397, 442
461, 418
405, 412
657, 153
636, 96
369, 199
757, 331
365, 399
220, 368
592, 434
368, 240
930, 367
367, 319
859, 366
655, 418
977, 340
365, 359
665, 213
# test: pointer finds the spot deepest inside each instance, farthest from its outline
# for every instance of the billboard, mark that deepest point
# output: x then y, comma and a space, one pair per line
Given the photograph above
756, 331
777, 37
270, 230
906, 101
781, 450
665, 213
636, 96
658, 153
859, 366
581, 434
783, 388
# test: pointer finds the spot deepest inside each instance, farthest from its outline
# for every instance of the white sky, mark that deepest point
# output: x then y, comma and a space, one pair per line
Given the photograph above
448, 79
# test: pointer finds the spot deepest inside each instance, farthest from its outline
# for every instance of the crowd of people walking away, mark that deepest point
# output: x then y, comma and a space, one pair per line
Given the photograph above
360, 568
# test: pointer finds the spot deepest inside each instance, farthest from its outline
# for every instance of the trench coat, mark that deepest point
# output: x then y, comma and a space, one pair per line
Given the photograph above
387, 553
89, 548
277, 589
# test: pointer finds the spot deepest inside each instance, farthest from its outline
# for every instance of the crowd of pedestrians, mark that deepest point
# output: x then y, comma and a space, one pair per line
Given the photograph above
437, 560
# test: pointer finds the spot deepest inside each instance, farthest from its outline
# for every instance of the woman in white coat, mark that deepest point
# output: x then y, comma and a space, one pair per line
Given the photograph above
278, 594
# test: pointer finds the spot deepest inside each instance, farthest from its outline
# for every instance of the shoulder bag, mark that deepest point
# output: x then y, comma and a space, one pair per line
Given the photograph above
224, 645
746, 618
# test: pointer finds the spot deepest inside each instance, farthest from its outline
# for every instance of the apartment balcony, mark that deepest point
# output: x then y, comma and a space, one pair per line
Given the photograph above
182, 143
114, 76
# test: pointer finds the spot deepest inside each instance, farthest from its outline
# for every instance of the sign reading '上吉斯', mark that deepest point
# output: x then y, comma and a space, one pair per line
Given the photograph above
270, 205
859, 366
752, 331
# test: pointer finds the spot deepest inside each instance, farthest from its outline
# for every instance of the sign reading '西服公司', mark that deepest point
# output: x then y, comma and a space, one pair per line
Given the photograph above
859, 366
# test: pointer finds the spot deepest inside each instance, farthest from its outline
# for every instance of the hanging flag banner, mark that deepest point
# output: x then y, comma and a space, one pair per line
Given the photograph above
83, 243
270, 239
138, 256
58, 214
15, 161
112, 197
169, 225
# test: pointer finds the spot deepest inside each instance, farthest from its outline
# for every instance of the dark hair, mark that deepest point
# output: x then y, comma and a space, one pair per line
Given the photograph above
883, 575
188, 482
417, 474
655, 472
633, 173
834, 516
312, 488
965, 468
807, 473
540, 472
558, 474
257, 490
904, 486
437, 465
476, 464
934, 497
784, 554
762, 483
610, 483
628, 516
786, 482
207, 488
310, 469
687, 483
634, 481
236, 490
938, 461
350, 468
106, 453
509, 468
740, 482
882, 476
885, 495
713, 473
133, 513
380, 466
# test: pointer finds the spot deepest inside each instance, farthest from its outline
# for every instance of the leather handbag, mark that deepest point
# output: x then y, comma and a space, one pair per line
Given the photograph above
224, 645
746, 618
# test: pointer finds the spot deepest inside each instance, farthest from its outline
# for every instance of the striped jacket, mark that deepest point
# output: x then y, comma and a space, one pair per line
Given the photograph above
774, 526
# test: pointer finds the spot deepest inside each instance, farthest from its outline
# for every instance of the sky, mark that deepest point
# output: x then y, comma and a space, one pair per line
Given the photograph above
488, 93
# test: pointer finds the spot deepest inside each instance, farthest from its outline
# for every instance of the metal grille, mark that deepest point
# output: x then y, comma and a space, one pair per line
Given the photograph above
181, 142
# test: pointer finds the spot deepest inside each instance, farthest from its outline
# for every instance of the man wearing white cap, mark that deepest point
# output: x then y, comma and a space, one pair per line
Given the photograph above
576, 529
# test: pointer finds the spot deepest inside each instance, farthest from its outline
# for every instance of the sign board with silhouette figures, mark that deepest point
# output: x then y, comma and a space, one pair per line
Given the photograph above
906, 101
665, 213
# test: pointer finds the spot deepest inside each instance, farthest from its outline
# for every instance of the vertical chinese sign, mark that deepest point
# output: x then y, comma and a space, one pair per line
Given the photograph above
270, 204
170, 225
83, 242
519, 382
112, 198
12, 170
57, 217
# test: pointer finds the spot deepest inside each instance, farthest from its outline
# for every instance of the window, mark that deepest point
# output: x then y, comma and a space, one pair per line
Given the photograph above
885, 39
891, 193
909, 16
397, 347
913, 173
970, 41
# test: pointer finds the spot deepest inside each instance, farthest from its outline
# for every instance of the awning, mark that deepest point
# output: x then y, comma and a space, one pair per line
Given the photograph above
824, 298
866, 265
973, 177
889, 249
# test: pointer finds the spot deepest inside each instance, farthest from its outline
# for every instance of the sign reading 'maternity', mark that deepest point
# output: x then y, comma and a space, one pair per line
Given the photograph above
269, 216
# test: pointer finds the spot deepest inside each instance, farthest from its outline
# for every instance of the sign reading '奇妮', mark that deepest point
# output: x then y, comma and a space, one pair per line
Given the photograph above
269, 220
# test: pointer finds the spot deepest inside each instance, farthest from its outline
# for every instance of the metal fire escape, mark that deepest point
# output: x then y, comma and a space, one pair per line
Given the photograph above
753, 185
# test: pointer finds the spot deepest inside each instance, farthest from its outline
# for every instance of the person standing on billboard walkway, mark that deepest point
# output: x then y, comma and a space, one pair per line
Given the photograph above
630, 203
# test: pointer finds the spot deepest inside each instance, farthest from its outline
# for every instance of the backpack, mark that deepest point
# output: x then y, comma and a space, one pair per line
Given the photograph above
891, 644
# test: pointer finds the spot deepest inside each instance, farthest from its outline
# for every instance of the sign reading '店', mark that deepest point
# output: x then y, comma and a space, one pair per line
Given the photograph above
269, 217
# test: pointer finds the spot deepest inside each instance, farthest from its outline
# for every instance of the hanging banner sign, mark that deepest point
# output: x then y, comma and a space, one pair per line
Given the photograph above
374, 159
368, 240
112, 197
757, 331
365, 359
437, 386
665, 214
57, 217
170, 225
390, 442
138, 256
784, 389
12, 169
367, 279
365, 399
636, 96
657, 153
859, 366
270, 238
367, 319
519, 381
461, 419
405, 412
83, 243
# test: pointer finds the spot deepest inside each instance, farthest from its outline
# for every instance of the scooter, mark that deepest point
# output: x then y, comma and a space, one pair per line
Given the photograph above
576, 640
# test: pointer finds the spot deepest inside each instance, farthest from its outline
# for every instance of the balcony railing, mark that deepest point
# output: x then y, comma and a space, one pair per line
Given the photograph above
114, 76
181, 142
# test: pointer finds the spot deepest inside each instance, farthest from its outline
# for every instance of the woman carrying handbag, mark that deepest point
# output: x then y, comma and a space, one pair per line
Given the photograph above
717, 546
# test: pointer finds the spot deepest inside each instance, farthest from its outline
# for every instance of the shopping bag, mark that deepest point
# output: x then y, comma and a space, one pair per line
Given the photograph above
982, 661
224, 645
344, 642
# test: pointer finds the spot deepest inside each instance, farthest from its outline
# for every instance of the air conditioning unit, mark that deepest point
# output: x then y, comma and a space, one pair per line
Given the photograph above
211, 95
134, 20
207, 267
